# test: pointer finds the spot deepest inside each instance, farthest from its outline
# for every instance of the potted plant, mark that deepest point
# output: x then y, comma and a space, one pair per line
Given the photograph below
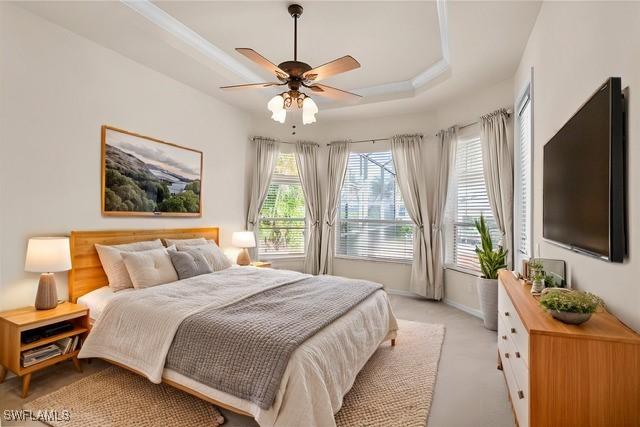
491, 261
569, 306
538, 280
534, 267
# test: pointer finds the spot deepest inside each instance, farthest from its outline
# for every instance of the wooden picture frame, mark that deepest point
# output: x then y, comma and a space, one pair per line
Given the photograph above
167, 183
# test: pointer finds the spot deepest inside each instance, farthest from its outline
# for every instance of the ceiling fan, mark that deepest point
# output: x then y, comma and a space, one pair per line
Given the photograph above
295, 75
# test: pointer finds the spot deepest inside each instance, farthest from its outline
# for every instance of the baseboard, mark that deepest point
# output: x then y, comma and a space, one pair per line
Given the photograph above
401, 293
462, 307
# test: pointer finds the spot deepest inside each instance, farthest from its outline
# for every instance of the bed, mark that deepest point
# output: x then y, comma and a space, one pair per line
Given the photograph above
318, 373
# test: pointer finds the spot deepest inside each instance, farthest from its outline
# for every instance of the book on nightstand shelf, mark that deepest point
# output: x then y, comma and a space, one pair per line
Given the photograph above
37, 355
40, 354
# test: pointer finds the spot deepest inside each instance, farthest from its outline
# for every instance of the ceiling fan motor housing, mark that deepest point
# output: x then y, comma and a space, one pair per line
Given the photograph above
295, 10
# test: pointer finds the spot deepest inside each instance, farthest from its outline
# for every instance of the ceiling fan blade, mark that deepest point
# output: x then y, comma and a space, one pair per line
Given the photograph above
263, 62
251, 86
337, 66
336, 94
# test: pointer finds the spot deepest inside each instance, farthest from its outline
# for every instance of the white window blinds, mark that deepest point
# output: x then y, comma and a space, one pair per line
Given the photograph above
467, 200
523, 186
372, 220
282, 227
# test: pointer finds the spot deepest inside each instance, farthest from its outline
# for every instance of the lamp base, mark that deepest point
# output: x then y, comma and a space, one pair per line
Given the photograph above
47, 296
243, 257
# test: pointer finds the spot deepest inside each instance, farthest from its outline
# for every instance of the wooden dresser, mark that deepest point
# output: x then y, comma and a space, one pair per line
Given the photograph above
566, 375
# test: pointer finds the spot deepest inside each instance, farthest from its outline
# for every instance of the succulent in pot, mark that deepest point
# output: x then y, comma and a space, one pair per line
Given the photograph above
491, 261
570, 306
538, 282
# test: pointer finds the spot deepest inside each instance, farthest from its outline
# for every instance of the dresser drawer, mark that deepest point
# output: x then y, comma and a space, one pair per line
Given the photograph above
515, 328
519, 394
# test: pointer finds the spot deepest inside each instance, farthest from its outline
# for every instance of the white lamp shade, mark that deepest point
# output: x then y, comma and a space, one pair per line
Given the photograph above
309, 110
48, 255
243, 239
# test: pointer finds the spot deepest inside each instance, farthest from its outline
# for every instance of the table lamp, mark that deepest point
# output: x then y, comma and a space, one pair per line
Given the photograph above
47, 255
244, 240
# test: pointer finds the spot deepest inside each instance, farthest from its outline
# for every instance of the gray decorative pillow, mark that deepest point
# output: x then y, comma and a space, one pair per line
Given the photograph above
216, 259
189, 263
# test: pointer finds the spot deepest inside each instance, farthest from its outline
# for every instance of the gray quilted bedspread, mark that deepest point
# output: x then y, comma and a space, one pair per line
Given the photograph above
243, 348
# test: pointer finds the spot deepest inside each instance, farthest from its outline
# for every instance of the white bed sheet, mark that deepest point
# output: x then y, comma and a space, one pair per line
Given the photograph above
98, 299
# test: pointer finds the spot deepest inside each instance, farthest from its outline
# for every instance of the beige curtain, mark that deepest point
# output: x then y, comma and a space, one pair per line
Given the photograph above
266, 155
448, 141
498, 173
407, 155
337, 167
307, 161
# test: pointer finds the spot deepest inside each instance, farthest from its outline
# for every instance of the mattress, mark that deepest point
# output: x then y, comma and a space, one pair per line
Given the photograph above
98, 299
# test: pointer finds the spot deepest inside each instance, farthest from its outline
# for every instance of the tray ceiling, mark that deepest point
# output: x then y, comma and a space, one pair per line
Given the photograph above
406, 49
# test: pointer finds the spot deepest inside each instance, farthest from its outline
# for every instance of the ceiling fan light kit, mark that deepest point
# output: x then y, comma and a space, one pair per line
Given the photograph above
296, 74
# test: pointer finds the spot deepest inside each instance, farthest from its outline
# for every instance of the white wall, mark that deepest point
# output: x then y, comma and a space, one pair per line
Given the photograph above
573, 48
57, 90
459, 287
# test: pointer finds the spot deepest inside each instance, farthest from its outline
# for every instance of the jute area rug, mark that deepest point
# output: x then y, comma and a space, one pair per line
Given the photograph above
395, 388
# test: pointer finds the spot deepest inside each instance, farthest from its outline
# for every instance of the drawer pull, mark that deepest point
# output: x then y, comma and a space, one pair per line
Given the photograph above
504, 337
520, 394
506, 313
513, 330
506, 355
518, 354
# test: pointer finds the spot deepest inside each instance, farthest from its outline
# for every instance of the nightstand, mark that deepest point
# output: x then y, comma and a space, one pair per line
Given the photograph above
261, 264
14, 323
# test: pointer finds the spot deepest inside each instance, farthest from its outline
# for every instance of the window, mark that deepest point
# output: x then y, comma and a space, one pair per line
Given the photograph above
282, 227
523, 187
372, 220
467, 200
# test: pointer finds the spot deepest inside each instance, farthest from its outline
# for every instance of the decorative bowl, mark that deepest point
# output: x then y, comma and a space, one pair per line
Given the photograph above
570, 318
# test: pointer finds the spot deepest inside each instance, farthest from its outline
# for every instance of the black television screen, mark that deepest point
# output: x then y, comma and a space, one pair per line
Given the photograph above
583, 189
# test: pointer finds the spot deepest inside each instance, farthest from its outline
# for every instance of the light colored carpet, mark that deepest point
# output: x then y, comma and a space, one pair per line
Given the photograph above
395, 388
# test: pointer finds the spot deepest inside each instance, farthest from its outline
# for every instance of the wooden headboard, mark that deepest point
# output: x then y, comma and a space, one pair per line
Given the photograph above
86, 272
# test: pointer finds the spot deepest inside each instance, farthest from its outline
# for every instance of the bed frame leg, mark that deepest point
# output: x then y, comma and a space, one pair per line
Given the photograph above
393, 342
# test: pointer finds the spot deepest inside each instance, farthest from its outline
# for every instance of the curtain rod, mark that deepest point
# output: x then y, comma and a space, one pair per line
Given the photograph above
509, 112
372, 140
252, 139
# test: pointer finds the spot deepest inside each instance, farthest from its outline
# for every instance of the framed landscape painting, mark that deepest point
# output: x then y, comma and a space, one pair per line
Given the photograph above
143, 176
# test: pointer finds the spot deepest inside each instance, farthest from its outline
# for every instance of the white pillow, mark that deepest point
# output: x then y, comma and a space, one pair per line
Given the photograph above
150, 268
212, 253
184, 242
114, 268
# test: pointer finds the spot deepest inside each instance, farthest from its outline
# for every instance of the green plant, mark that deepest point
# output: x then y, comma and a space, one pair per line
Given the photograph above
538, 276
535, 265
571, 301
549, 281
490, 260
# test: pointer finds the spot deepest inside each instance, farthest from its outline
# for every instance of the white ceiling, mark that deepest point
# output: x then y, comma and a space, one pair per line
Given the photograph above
413, 54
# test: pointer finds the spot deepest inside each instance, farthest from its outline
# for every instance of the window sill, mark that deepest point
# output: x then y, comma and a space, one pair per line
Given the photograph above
365, 259
462, 270
275, 258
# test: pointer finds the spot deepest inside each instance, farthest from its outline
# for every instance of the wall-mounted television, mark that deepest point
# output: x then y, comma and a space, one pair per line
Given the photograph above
584, 178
